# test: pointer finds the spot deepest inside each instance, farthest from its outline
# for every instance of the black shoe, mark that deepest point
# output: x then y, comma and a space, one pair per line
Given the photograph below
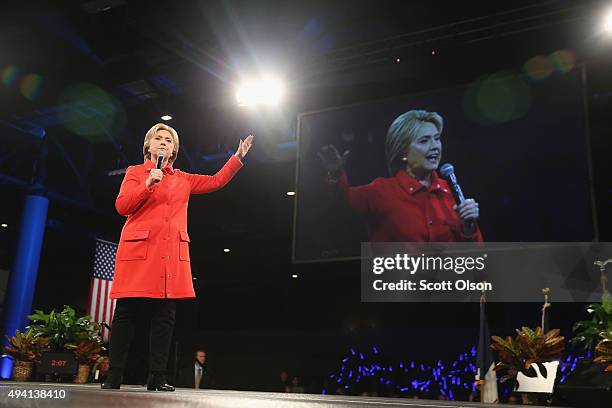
113, 381
157, 382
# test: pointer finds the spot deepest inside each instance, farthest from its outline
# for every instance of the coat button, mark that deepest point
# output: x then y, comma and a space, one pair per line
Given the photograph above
430, 222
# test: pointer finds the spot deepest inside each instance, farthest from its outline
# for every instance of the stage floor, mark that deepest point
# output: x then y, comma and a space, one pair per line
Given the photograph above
91, 396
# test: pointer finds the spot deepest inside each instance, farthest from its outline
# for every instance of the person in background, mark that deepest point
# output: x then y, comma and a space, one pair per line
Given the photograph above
283, 385
196, 376
296, 386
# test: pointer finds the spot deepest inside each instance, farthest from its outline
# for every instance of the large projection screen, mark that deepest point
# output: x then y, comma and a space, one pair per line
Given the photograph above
519, 147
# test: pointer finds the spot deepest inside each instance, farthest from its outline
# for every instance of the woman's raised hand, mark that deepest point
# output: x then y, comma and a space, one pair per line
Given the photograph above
244, 146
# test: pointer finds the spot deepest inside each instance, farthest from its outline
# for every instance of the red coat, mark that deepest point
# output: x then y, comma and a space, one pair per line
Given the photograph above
153, 254
400, 209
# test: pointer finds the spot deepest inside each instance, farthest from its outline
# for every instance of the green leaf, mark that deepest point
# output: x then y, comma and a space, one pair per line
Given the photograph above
527, 332
501, 341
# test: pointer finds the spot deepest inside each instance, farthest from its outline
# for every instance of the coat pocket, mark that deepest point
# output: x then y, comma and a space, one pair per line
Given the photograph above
184, 246
135, 245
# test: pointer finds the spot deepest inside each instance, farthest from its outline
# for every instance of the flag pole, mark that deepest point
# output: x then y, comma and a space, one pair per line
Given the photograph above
486, 378
545, 307
481, 379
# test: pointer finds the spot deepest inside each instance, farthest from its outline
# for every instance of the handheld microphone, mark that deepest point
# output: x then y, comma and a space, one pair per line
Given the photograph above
160, 159
447, 171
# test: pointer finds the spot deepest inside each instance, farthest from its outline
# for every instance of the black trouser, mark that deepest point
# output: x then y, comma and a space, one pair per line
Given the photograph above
129, 312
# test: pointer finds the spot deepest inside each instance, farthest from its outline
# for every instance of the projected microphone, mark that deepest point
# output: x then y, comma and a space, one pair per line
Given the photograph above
447, 171
160, 159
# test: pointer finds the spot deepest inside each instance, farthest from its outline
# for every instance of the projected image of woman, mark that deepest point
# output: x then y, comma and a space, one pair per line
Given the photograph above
414, 205
153, 267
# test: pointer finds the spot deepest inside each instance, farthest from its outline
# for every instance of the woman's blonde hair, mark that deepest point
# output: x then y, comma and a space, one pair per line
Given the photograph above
403, 131
152, 132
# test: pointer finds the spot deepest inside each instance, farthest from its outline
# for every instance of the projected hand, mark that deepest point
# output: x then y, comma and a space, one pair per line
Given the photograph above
244, 146
469, 213
331, 159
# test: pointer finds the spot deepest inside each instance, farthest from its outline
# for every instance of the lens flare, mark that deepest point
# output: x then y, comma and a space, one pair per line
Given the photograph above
91, 112
9, 74
30, 86
563, 60
497, 98
538, 67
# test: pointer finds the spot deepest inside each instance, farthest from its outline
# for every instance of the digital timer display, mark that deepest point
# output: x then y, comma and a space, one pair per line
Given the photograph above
57, 363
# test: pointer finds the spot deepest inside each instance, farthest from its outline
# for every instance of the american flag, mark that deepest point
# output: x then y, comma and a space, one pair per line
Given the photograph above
101, 308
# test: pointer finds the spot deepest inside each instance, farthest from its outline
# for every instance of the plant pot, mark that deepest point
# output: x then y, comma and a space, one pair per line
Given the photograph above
82, 376
22, 370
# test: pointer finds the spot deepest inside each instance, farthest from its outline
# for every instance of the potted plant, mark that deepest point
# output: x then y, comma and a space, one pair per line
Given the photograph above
86, 350
25, 349
604, 349
61, 328
529, 347
587, 332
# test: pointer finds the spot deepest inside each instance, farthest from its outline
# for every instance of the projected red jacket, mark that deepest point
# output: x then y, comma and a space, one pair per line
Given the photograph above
400, 209
153, 254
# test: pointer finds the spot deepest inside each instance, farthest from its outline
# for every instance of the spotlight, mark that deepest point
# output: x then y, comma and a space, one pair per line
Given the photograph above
226, 250
166, 117
397, 60
3, 225
294, 276
608, 22
290, 193
266, 91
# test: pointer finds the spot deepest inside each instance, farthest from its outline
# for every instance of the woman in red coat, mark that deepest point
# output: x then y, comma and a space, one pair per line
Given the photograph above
415, 204
152, 267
